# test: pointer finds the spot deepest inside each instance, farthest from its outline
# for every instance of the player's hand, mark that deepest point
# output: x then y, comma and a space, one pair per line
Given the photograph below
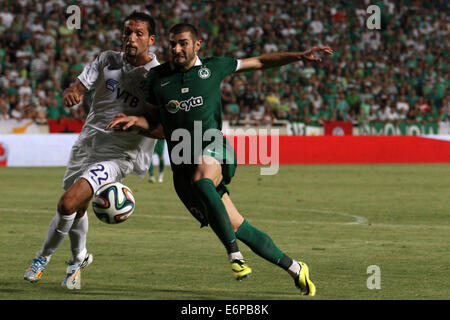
71, 98
310, 54
122, 122
119, 115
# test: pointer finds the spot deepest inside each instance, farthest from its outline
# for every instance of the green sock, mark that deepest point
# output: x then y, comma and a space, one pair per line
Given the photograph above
161, 165
150, 170
261, 244
216, 213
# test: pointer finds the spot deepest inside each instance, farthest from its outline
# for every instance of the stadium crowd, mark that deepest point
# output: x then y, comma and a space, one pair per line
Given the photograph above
397, 73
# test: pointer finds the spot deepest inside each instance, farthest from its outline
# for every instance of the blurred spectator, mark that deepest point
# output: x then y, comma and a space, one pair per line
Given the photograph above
4, 109
245, 117
373, 115
268, 117
232, 111
402, 69
445, 110
388, 113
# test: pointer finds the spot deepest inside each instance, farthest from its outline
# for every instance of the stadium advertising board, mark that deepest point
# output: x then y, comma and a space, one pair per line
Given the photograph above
54, 149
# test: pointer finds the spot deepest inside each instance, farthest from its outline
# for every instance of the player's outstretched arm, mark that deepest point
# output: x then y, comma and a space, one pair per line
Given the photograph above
74, 94
277, 59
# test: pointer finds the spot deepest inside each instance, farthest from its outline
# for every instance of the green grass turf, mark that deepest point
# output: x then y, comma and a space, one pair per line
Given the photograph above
340, 219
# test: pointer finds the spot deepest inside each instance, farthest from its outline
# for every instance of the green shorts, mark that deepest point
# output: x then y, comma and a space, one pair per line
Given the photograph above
182, 181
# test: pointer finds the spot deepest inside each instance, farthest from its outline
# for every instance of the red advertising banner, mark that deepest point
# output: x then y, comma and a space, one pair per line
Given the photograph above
65, 125
339, 149
3, 154
338, 128
363, 149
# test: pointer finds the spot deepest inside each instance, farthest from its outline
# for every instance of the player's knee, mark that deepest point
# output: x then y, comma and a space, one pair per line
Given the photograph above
67, 205
211, 171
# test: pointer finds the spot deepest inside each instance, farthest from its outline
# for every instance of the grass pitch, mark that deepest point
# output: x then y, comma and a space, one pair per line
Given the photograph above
340, 219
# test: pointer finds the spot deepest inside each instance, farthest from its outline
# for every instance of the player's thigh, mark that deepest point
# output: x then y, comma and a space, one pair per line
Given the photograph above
209, 168
85, 183
235, 217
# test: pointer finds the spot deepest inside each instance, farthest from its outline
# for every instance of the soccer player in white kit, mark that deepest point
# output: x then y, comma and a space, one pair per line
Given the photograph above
100, 156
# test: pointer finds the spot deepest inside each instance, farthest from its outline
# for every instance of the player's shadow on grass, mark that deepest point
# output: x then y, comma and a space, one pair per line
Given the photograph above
8, 291
220, 295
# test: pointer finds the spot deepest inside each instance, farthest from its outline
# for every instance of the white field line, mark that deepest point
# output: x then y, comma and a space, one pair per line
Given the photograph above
358, 220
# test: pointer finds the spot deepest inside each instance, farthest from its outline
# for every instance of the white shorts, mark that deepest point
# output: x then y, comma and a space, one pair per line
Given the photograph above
97, 173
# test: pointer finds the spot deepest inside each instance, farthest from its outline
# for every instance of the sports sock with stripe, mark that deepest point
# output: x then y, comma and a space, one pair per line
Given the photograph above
57, 231
77, 236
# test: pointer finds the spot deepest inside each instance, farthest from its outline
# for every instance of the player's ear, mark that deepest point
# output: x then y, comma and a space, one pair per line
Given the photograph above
198, 44
151, 39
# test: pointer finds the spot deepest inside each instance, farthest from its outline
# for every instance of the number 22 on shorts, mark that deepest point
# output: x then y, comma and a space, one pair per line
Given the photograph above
98, 175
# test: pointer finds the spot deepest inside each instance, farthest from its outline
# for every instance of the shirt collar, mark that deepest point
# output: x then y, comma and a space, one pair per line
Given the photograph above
151, 64
198, 62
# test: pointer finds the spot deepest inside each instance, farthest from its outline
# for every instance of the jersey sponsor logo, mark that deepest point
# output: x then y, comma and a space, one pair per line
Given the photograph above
111, 84
204, 73
131, 100
173, 105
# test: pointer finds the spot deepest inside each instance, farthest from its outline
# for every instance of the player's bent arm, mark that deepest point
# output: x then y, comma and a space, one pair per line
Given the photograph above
155, 131
124, 122
74, 94
277, 59
146, 128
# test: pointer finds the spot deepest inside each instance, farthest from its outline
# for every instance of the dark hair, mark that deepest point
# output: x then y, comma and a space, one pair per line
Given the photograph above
142, 16
185, 27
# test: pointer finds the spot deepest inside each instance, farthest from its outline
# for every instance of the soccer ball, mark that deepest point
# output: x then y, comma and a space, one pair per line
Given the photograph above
113, 203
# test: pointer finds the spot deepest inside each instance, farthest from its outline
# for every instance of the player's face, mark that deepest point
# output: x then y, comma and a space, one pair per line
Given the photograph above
136, 39
183, 49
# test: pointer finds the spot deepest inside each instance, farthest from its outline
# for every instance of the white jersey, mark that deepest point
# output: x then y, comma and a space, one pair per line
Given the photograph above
119, 88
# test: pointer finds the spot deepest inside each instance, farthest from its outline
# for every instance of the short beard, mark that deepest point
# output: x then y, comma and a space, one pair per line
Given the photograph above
129, 52
184, 65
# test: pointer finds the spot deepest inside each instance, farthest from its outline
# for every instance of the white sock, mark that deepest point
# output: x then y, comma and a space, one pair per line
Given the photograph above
57, 231
294, 269
235, 256
77, 236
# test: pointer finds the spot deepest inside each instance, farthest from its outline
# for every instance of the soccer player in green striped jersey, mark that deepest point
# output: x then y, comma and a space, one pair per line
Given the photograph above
186, 94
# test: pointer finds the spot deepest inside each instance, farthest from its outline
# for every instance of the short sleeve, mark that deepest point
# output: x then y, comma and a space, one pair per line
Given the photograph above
91, 71
227, 65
